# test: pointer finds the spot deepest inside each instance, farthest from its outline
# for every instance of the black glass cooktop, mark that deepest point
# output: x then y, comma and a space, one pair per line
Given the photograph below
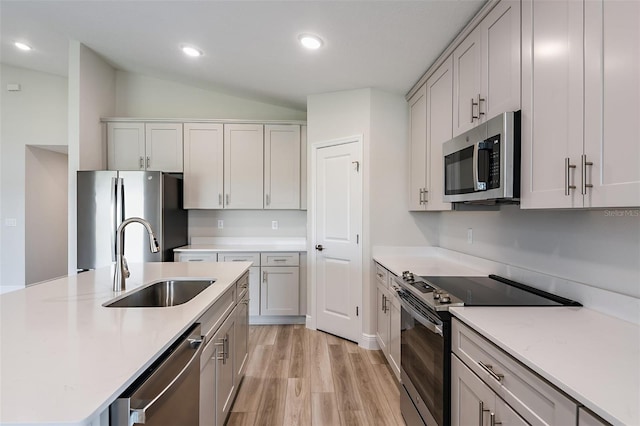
496, 291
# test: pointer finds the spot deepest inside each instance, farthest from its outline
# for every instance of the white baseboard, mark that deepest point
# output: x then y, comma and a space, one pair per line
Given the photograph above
260, 320
368, 341
311, 324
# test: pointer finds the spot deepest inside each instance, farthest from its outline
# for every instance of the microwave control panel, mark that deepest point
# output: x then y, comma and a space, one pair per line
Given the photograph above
489, 163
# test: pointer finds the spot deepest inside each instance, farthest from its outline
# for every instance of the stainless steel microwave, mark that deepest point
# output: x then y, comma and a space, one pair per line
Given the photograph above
483, 164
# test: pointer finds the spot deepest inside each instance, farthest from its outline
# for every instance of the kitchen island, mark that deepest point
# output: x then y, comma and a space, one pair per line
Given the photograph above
64, 357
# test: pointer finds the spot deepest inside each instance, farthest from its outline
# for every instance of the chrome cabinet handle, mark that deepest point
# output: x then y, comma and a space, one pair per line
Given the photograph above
567, 167
480, 100
585, 163
379, 274
219, 199
481, 413
267, 199
489, 370
383, 304
227, 199
493, 420
473, 103
148, 162
141, 162
264, 276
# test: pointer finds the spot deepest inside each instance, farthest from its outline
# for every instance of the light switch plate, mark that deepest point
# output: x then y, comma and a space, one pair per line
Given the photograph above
220, 223
274, 224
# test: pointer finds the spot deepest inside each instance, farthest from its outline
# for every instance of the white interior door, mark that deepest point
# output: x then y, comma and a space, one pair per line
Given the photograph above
338, 223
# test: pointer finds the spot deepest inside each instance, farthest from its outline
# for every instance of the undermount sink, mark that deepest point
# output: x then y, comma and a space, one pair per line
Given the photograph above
161, 294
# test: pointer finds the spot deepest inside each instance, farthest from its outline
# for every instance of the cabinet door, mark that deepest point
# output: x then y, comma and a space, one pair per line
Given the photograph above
125, 146
243, 166
612, 104
418, 135
500, 33
439, 131
505, 415
225, 373
279, 291
587, 418
303, 167
163, 143
208, 385
282, 167
254, 291
203, 166
471, 400
394, 334
241, 336
382, 319
552, 102
467, 66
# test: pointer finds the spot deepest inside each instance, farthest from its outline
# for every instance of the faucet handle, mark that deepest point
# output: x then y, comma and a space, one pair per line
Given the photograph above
125, 268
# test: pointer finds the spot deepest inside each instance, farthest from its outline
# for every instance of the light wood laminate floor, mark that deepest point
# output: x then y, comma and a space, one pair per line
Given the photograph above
297, 376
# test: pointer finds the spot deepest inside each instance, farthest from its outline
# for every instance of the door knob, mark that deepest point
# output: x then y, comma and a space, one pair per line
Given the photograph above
319, 247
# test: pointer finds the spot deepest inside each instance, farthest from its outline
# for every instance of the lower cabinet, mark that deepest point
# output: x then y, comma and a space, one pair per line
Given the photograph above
224, 340
489, 387
279, 291
388, 319
474, 403
241, 346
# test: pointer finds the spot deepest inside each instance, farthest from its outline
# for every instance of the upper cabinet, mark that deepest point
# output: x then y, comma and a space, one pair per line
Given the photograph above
430, 114
243, 166
203, 165
282, 167
486, 68
580, 104
144, 146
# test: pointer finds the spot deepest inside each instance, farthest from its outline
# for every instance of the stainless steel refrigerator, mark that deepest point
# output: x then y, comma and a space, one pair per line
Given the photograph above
106, 198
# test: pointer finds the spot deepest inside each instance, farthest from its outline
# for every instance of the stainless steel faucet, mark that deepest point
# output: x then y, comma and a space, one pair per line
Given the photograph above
122, 269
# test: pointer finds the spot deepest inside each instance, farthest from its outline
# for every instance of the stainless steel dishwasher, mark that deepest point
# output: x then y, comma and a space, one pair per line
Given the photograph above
167, 393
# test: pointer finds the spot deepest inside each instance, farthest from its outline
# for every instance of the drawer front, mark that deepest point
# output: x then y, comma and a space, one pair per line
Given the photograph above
382, 276
240, 257
195, 257
280, 259
215, 315
537, 401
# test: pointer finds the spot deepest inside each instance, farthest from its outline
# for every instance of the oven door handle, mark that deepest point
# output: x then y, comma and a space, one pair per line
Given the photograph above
430, 325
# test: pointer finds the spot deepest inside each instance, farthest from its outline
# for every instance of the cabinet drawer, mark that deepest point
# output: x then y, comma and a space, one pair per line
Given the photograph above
240, 257
215, 315
280, 259
382, 276
537, 401
195, 257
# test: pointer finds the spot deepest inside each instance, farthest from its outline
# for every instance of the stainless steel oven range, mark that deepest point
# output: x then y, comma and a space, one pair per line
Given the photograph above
425, 353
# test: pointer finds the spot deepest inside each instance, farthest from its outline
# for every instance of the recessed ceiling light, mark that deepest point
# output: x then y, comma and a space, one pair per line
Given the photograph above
22, 46
310, 41
191, 51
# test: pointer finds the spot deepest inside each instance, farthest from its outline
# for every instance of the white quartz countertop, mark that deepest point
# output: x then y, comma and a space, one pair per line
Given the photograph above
590, 356
64, 357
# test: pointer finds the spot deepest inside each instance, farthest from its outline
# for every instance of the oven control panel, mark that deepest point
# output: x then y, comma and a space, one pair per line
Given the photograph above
433, 296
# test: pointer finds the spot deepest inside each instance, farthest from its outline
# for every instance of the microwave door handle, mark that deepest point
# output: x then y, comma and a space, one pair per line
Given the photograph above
476, 181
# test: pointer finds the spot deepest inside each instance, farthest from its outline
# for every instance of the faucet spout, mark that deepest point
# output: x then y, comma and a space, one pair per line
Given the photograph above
122, 269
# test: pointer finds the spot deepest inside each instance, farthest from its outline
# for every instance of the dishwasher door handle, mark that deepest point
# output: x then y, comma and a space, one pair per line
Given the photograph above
142, 414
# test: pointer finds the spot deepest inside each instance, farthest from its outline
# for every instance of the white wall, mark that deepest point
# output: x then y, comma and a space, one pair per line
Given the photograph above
91, 96
45, 214
597, 248
142, 96
36, 115
248, 223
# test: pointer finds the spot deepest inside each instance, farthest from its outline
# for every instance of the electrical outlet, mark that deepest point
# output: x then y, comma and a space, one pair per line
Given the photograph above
274, 224
10, 222
220, 224
469, 235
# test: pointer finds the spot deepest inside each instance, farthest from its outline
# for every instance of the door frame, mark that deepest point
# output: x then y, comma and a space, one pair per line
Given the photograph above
312, 298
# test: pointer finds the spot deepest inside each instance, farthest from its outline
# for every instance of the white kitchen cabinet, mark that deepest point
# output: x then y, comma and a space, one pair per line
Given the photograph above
279, 291
303, 167
282, 166
529, 395
612, 105
382, 319
552, 103
203, 166
418, 140
208, 385
393, 305
587, 418
387, 318
474, 403
254, 291
439, 130
243, 166
144, 146
241, 347
486, 68
224, 341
